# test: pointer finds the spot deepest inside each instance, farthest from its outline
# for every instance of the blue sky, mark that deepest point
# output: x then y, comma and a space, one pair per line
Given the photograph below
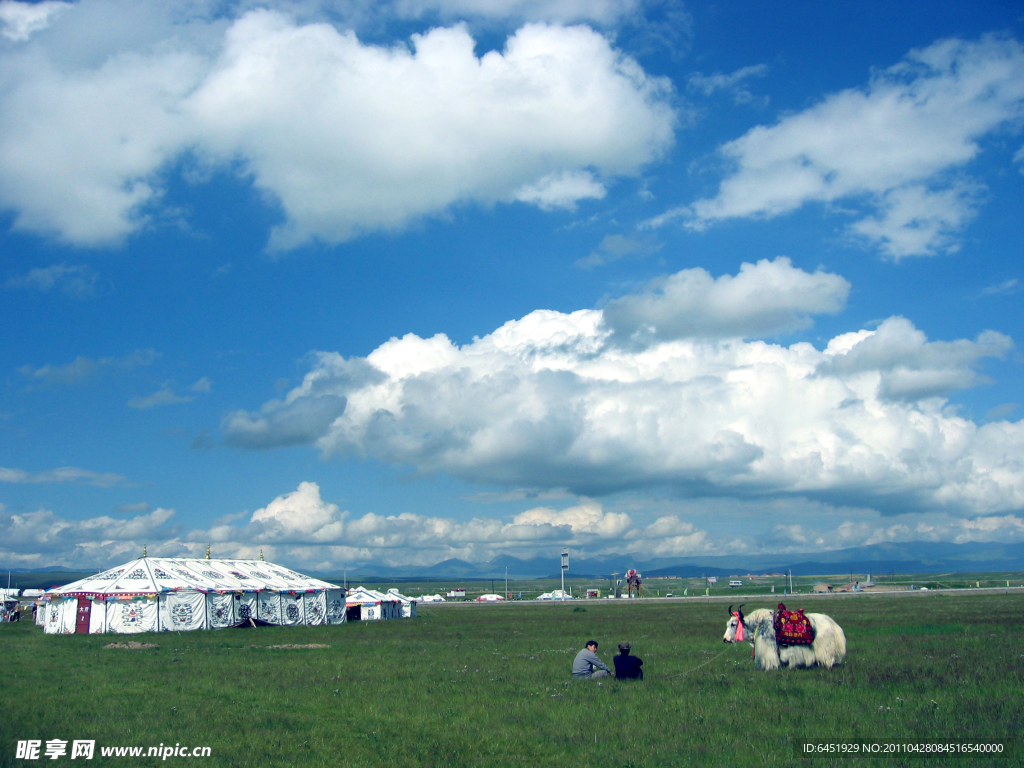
395, 282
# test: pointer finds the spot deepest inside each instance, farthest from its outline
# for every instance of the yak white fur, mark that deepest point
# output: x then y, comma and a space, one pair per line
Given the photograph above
828, 649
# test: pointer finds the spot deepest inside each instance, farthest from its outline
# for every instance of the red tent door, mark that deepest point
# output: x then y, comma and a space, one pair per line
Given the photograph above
84, 612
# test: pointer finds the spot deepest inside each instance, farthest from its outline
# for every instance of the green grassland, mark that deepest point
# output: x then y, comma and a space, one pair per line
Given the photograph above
488, 685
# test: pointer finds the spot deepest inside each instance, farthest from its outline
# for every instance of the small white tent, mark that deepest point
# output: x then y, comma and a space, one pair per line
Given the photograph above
169, 594
408, 604
369, 605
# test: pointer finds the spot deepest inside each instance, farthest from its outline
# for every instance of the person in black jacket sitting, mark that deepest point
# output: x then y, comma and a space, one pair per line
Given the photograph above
627, 667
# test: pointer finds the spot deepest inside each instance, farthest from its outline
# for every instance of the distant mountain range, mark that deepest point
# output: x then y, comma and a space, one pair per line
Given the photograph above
910, 557
878, 559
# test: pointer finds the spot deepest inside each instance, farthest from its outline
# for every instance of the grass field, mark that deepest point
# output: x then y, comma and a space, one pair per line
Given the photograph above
488, 685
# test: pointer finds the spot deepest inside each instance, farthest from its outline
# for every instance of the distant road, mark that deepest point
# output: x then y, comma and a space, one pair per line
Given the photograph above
735, 597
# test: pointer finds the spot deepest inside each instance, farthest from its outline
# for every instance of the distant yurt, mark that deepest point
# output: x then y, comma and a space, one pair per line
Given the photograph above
370, 605
408, 604
171, 595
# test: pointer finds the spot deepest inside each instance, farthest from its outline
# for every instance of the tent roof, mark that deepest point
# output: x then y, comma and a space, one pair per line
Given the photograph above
163, 574
364, 595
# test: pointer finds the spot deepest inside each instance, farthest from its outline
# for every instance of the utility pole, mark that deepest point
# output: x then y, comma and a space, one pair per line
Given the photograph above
565, 567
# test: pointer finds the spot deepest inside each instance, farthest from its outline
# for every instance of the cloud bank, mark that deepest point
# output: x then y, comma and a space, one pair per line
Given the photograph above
344, 137
555, 401
303, 530
42, 538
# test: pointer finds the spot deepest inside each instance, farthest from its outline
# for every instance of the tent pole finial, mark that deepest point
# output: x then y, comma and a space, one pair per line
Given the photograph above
207, 551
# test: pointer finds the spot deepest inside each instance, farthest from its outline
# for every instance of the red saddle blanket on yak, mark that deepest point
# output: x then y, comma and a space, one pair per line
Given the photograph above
792, 627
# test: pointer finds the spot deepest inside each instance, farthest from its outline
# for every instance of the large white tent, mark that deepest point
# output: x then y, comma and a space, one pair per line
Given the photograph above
169, 594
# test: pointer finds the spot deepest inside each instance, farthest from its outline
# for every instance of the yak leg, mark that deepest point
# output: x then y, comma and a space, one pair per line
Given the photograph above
798, 656
766, 655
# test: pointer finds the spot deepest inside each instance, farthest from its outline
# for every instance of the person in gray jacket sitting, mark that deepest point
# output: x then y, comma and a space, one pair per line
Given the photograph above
587, 666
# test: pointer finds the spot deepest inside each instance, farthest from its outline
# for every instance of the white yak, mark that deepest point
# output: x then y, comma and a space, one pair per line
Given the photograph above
827, 650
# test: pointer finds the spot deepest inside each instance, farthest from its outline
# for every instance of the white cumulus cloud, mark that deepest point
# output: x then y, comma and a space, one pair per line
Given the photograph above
305, 525
668, 536
42, 538
763, 299
584, 518
21, 20
908, 366
346, 137
549, 402
302, 511
561, 190
893, 143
